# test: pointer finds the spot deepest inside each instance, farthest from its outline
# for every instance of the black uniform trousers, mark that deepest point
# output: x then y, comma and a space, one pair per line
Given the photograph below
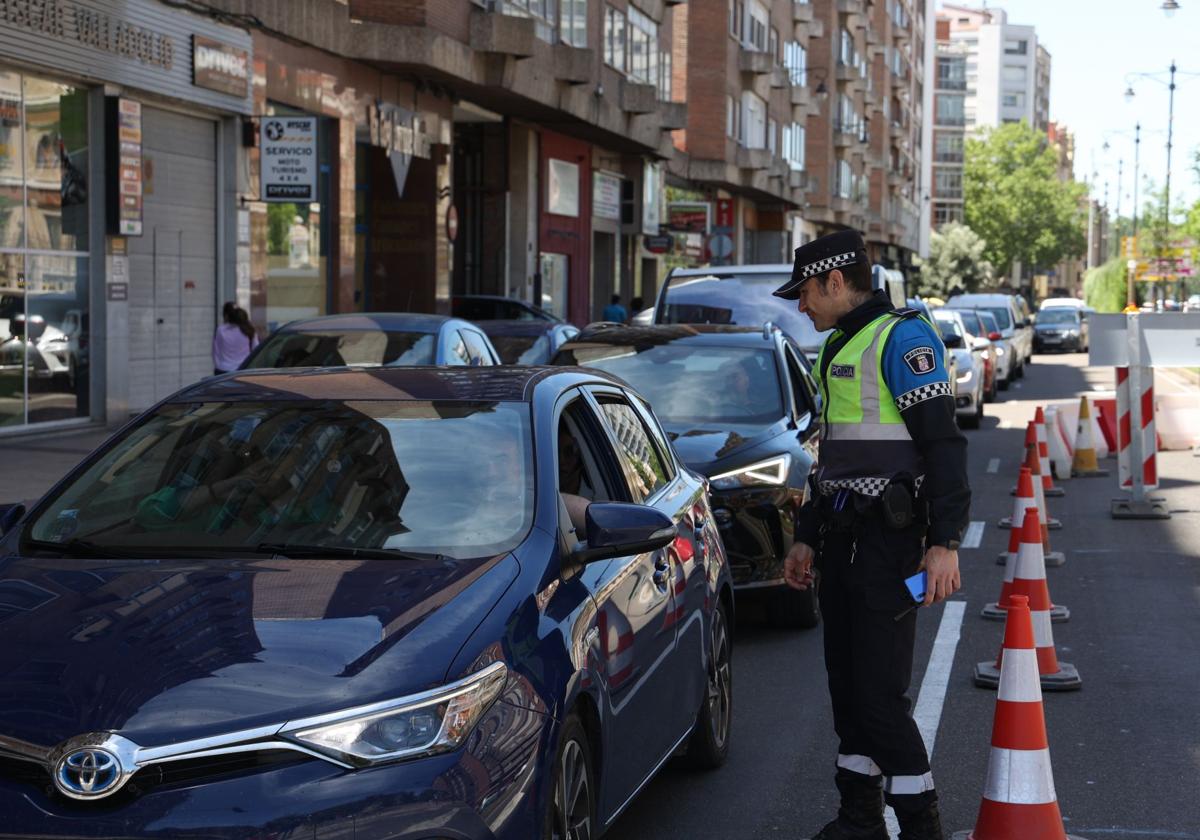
868, 653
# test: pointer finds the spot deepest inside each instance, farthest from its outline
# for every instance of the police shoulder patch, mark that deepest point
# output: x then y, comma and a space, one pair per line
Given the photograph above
920, 360
842, 371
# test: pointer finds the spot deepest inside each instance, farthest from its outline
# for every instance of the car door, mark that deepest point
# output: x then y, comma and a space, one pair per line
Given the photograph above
637, 603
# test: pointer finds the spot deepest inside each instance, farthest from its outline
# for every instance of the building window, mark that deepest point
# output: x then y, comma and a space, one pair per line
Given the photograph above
946, 213
773, 43
664, 75
948, 148
1014, 73
950, 110
947, 183
846, 56
1015, 46
848, 119
573, 22
737, 17
754, 122
793, 145
843, 181
756, 37
772, 136
951, 73
541, 11
614, 38
643, 48
1013, 99
795, 59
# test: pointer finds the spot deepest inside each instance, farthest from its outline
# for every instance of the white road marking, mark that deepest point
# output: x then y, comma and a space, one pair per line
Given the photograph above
932, 697
993, 465
974, 535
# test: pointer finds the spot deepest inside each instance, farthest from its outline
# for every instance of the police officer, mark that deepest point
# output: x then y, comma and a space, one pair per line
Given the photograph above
891, 499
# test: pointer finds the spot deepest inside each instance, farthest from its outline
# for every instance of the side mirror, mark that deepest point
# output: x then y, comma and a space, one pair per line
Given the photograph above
10, 515
618, 529
994, 336
980, 343
953, 342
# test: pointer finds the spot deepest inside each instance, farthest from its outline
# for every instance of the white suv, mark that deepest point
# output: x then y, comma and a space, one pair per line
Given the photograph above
1012, 316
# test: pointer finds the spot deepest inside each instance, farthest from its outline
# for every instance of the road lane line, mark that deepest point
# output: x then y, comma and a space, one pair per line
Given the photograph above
974, 535
932, 697
993, 465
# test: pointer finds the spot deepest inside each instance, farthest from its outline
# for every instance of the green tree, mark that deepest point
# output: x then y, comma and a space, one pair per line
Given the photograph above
1104, 286
1014, 200
956, 261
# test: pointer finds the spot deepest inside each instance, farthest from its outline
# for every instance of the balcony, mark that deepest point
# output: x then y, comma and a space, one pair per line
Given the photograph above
673, 115
798, 179
901, 34
754, 159
802, 11
801, 94
492, 32
572, 64
780, 78
851, 7
638, 98
844, 139
755, 62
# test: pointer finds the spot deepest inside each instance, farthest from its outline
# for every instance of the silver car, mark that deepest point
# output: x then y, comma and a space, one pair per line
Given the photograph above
1016, 329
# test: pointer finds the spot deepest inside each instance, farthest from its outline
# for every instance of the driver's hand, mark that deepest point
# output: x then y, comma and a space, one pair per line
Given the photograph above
797, 568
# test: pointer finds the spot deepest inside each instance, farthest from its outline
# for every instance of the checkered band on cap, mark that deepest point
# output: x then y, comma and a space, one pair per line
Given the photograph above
828, 264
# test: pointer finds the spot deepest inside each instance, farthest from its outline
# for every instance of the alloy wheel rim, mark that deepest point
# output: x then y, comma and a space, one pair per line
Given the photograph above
720, 682
572, 796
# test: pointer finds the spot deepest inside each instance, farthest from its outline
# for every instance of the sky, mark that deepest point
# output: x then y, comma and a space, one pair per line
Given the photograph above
1094, 45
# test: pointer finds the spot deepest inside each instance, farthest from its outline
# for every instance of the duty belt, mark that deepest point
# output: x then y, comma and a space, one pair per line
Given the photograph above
873, 487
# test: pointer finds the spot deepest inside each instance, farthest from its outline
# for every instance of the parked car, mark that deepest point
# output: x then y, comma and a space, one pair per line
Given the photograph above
1061, 328
969, 379
53, 332
740, 407
1055, 303
497, 308
387, 602
1193, 304
527, 342
374, 338
1015, 329
979, 332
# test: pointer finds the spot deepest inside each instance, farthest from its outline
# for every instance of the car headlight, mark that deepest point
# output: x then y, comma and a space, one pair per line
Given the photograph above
772, 471
966, 377
999, 351
432, 722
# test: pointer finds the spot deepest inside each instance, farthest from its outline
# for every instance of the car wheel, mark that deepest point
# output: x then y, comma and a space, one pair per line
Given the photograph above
709, 744
791, 609
971, 421
571, 812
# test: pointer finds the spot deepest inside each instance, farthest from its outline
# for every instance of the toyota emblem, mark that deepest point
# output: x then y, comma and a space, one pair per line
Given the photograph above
88, 773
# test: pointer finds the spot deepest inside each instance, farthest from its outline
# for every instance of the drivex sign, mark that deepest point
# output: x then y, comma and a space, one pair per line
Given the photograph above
289, 158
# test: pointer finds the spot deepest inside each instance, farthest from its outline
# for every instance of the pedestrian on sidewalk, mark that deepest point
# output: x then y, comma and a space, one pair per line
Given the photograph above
615, 312
891, 498
233, 340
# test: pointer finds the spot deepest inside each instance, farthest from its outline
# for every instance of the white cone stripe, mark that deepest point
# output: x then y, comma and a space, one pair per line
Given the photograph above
858, 764
1010, 569
1019, 682
1040, 498
1031, 563
1019, 777
904, 785
1022, 504
1043, 637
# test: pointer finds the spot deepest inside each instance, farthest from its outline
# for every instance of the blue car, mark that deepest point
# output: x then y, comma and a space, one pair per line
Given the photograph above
374, 338
409, 603
527, 342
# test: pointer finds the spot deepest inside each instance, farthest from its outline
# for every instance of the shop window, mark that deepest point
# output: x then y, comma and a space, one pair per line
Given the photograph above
44, 313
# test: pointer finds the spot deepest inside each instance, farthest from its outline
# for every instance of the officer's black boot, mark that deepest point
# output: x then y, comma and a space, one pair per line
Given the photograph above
918, 821
860, 816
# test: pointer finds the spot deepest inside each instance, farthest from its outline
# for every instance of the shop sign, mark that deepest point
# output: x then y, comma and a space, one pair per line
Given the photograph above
606, 196
399, 131
659, 244
689, 216
92, 28
125, 170
289, 158
220, 67
724, 213
562, 189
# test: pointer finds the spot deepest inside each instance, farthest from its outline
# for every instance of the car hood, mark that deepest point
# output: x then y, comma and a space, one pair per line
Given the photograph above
171, 650
707, 449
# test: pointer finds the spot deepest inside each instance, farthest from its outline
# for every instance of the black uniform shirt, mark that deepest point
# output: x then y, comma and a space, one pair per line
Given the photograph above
935, 433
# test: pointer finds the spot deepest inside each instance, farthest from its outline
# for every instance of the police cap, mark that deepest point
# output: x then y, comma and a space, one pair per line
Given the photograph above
834, 250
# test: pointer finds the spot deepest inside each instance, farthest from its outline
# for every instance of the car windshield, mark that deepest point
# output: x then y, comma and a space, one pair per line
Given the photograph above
744, 299
948, 328
1000, 313
451, 478
329, 348
692, 385
989, 321
1058, 316
522, 349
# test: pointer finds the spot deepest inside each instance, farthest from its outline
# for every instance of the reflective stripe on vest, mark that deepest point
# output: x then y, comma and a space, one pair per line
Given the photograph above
863, 435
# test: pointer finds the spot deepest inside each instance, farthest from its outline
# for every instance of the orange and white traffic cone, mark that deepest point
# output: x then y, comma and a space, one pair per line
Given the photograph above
1084, 464
1019, 802
1016, 545
1029, 579
1048, 486
1051, 558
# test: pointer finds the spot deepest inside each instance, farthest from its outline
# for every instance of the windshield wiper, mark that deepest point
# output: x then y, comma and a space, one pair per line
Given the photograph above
297, 550
79, 548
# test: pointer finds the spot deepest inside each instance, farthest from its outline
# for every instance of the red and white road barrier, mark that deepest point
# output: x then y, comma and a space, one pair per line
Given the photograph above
1125, 431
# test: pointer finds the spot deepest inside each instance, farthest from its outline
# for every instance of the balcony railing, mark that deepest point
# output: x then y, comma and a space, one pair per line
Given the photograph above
951, 84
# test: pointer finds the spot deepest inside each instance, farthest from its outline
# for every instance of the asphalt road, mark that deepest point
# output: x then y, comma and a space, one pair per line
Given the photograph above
1125, 749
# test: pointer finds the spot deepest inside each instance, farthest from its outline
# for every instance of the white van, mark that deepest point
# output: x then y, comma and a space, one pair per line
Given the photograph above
1015, 325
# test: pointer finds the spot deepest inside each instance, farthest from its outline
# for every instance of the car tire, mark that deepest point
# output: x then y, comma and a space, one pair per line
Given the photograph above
708, 746
793, 609
574, 779
971, 421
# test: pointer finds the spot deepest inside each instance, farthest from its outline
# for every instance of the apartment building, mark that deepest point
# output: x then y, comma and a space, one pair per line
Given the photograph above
989, 72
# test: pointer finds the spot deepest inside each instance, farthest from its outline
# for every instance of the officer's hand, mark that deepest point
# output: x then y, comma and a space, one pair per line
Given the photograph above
797, 568
941, 570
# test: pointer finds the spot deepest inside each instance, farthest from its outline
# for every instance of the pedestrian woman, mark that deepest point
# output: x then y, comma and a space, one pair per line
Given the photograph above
234, 339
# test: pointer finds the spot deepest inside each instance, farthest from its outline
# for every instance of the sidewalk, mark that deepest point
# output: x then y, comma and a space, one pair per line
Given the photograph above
30, 465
